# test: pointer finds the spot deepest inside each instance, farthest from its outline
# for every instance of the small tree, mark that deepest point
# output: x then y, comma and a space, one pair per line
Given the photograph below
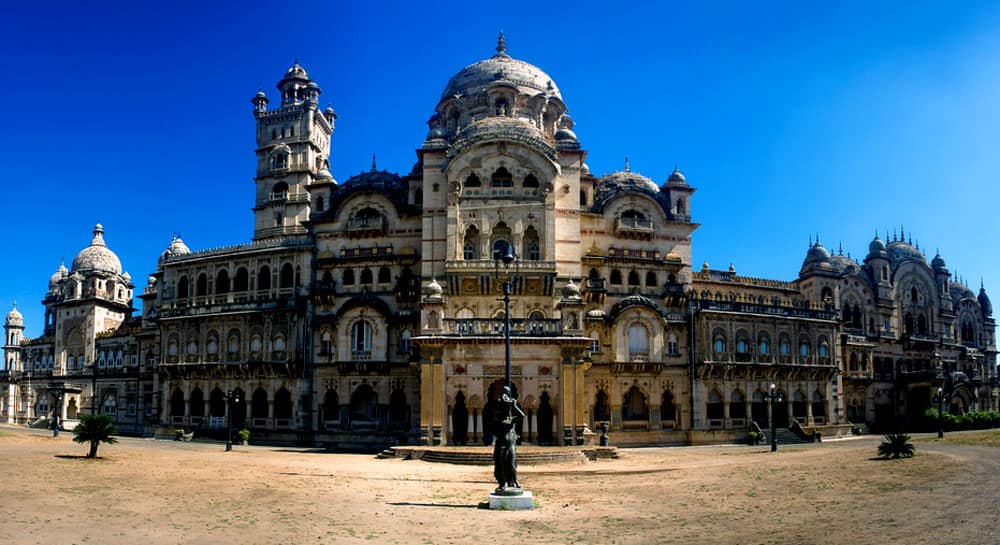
896, 445
95, 429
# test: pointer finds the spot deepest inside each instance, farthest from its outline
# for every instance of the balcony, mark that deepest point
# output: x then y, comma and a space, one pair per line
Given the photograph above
488, 265
489, 327
634, 226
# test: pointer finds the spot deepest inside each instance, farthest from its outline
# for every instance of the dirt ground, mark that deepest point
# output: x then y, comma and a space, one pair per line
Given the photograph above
163, 492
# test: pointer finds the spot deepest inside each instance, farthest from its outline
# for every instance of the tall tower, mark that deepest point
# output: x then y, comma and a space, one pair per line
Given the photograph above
293, 146
13, 332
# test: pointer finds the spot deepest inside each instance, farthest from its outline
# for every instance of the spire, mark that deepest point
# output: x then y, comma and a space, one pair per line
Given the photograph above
373, 161
501, 45
626, 164
15, 304
894, 234
902, 233
840, 248
810, 240
98, 236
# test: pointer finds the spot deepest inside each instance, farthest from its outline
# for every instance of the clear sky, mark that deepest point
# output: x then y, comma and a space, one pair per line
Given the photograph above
792, 119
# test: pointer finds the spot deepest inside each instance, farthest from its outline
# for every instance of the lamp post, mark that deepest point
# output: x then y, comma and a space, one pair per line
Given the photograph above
939, 398
773, 396
230, 399
506, 256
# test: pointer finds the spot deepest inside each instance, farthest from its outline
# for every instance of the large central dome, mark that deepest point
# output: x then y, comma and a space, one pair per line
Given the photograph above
500, 69
97, 256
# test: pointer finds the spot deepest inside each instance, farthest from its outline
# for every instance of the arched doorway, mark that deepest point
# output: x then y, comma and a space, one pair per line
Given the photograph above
331, 410
459, 421
602, 408
283, 408
399, 411
71, 408
259, 408
364, 408
177, 405
779, 411
545, 419
758, 409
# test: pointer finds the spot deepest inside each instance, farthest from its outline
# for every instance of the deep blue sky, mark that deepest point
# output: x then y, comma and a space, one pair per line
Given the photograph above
790, 119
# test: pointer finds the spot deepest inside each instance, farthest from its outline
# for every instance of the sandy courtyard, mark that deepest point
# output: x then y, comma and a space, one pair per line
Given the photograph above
153, 492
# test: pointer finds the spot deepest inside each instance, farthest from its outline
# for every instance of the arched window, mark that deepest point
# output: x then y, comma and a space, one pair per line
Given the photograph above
287, 279
616, 277
364, 404
278, 343
222, 281
763, 346
331, 409
532, 247
908, 324
784, 347
714, 408
719, 343
913, 295
279, 160
361, 340
264, 278
737, 405
650, 279
472, 180
182, 287
921, 325
279, 191
470, 247
826, 295
348, 277
242, 280
197, 402
638, 342
255, 344
633, 278
325, 344
672, 347
418, 197
583, 198
366, 276
319, 203
804, 348
404, 342
502, 178
177, 403
824, 350
366, 218
634, 219
501, 237
384, 276
201, 287
530, 181
741, 346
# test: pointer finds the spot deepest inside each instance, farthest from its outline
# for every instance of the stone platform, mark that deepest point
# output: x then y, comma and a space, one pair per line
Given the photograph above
519, 502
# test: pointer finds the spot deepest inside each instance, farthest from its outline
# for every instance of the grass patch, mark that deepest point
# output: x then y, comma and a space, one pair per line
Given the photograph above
986, 438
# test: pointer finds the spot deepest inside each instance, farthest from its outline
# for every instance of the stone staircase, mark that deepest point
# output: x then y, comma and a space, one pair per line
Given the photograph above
788, 437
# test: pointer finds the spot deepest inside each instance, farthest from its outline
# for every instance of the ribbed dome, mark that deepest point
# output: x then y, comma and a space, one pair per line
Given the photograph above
626, 179
816, 257
938, 263
676, 177
177, 247
97, 257
500, 69
14, 317
900, 251
571, 290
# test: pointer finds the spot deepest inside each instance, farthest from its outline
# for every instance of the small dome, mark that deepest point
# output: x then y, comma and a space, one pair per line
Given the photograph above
938, 263
628, 179
434, 289
676, 177
97, 257
585, 168
14, 317
565, 134
876, 248
902, 251
127, 277
261, 94
296, 71
177, 247
571, 290
435, 134
816, 257
59, 275
324, 176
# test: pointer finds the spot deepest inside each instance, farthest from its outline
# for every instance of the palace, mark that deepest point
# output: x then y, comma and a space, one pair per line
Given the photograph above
368, 312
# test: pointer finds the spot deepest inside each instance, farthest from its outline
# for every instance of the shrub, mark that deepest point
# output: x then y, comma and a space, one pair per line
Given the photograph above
896, 445
95, 429
244, 435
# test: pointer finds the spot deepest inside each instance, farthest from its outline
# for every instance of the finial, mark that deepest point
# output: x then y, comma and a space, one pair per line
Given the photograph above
373, 161
817, 239
501, 45
296, 61
902, 233
894, 234
626, 164
810, 240
15, 304
982, 287
840, 248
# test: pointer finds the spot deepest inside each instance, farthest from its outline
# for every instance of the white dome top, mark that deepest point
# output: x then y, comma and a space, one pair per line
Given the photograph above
97, 256
14, 317
59, 275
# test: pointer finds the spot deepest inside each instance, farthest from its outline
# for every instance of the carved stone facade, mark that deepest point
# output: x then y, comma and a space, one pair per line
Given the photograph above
368, 312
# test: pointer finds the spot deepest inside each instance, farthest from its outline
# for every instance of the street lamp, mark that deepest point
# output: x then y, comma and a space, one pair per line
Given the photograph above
939, 398
231, 398
773, 396
506, 256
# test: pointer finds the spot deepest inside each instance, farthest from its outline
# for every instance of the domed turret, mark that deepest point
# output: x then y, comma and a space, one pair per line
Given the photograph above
984, 302
938, 263
816, 257
14, 318
97, 257
434, 290
876, 248
676, 177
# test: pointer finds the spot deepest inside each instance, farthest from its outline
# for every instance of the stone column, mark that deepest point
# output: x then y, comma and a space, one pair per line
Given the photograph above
655, 418
809, 410
725, 413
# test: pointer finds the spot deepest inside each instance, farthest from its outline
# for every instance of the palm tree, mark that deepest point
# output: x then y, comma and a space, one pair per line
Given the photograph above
896, 445
95, 429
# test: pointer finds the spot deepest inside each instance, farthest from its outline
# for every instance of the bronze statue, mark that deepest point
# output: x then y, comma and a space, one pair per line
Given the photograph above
505, 415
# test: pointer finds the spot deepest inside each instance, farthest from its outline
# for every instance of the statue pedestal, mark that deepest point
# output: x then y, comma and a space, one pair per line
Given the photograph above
512, 502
